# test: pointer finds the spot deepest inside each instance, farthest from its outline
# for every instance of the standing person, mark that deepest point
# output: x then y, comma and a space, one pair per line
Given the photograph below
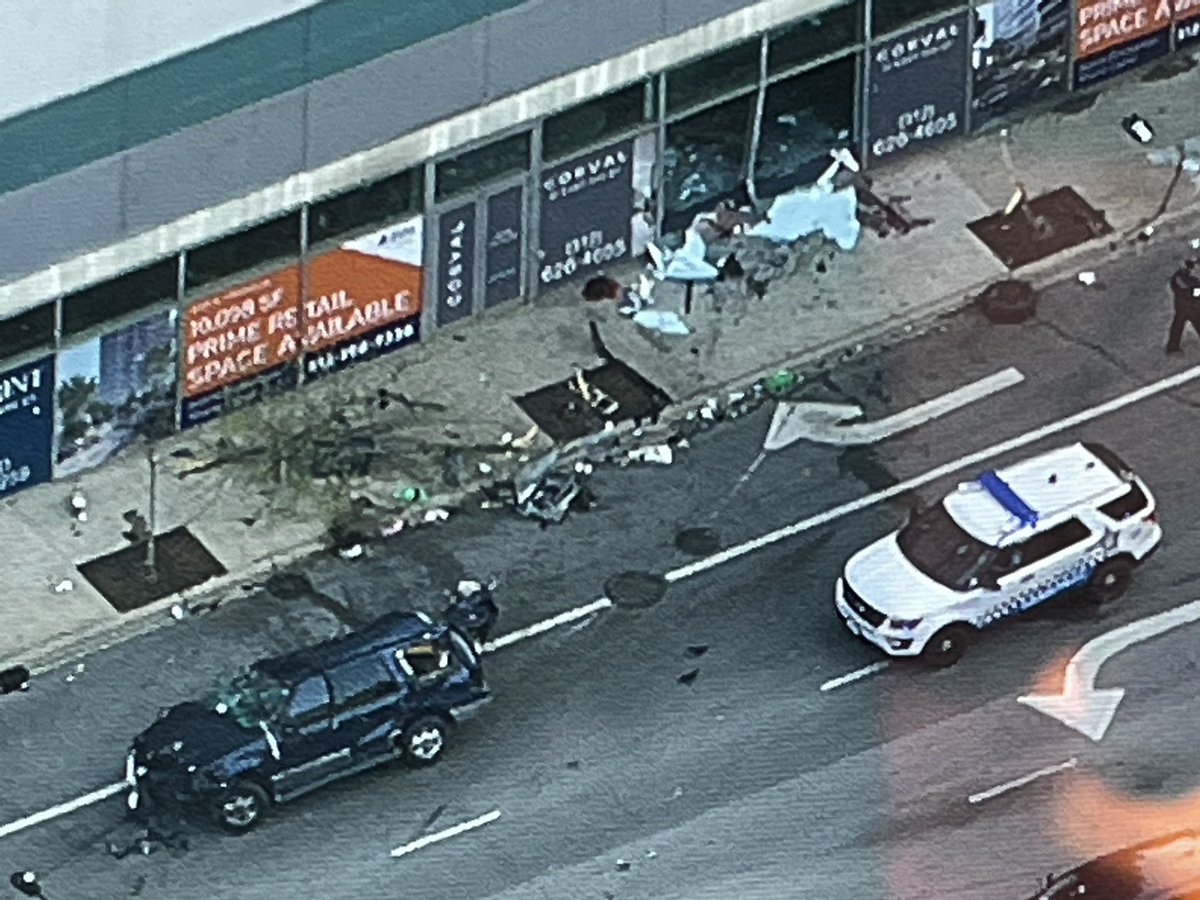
1185, 291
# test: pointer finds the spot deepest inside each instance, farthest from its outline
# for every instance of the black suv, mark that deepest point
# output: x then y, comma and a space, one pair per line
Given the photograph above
293, 723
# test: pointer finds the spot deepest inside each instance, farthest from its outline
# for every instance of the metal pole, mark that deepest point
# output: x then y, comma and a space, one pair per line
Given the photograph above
151, 560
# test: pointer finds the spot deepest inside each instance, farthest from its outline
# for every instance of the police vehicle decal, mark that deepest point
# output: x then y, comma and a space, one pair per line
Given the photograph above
1043, 590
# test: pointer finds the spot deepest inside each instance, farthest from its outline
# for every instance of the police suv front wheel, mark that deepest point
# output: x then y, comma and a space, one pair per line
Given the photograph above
1110, 580
947, 646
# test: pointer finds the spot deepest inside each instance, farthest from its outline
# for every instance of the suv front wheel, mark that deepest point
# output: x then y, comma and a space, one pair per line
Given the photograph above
241, 807
946, 647
423, 742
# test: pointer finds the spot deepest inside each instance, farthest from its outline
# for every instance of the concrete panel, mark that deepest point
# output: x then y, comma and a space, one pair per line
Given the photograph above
60, 218
680, 15
48, 55
219, 160
549, 38
384, 99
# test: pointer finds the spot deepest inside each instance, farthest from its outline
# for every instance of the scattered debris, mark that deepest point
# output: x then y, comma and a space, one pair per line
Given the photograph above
688, 263
26, 883
623, 865
409, 494
77, 506
1087, 277
352, 552
64, 586
248, 520
650, 854
689, 678
659, 453
436, 515
13, 679
1138, 128
677, 793
664, 322
697, 649
799, 213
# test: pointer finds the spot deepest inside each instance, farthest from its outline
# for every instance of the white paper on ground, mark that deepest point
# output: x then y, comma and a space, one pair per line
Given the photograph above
801, 212
662, 321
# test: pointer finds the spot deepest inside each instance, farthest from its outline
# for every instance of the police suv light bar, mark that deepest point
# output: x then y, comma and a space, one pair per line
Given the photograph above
1000, 491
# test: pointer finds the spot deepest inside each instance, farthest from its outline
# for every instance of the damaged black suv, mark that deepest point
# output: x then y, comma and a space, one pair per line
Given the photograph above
293, 723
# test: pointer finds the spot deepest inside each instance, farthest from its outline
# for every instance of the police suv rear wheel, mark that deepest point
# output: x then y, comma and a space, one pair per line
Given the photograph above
1110, 580
423, 742
947, 646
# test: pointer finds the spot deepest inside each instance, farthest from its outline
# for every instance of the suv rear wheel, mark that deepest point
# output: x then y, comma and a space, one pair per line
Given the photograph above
946, 647
423, 742
241, 807
1110, 580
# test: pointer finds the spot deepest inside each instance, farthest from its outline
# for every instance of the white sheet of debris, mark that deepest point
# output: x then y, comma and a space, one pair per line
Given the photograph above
801, 212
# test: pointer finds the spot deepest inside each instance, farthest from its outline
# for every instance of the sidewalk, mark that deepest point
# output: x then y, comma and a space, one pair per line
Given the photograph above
881, 290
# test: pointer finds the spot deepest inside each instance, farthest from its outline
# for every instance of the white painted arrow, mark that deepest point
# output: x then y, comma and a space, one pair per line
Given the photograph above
825, 423
1081, 705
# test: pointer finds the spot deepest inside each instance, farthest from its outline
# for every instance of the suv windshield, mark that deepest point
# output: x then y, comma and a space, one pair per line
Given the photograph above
250, 698
935, 544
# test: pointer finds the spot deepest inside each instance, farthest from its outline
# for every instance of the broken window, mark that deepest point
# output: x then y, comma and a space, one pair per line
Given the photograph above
891, 15
590, 123
428, 661
709, 78
705, 160
810, 39
804, 117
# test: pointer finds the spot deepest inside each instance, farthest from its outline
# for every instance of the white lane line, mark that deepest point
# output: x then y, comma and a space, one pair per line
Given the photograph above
971, 459
421, 843
1022, 781
62, 809
854, 676
566, 618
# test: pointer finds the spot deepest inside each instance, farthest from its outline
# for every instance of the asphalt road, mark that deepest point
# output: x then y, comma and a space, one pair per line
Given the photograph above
751, 781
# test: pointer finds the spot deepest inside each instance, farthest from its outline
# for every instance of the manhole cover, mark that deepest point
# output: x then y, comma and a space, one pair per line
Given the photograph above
635, 590
698, 541
289, 585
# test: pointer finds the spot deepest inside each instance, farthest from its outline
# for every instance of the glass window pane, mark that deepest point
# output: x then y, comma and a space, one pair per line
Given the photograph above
249, 249
704, 160
592, 122
373, 204
461, 173
27, 331
712, 76
812, 38
361, 681
310, 700
889, 15
117, 298
804, 117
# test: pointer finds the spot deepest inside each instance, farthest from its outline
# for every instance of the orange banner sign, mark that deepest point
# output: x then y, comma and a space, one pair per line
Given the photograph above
349, 293
1104, 24
241, 332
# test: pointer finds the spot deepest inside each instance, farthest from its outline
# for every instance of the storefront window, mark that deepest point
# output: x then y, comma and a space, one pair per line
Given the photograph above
119, 297
889, 15
272, 241
704, 161
382, 201
809, 39
461, 173
713, 76
804, 117
1019, 54
27, 331
589, 124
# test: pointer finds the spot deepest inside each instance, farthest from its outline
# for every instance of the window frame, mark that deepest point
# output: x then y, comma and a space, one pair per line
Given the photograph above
219, 282
1030, 562
416, 189
471, 187
319, 714
343, 707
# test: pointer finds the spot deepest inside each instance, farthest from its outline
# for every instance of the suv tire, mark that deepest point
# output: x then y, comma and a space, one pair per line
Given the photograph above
946, 647
1110, 580
423, 742
241, 807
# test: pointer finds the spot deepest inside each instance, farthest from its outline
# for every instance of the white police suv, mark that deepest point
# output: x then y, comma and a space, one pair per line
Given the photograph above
1076, 517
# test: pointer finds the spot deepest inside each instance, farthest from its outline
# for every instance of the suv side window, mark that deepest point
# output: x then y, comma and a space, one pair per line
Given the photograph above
362, 681
1131, 502
309, 702
1053, 540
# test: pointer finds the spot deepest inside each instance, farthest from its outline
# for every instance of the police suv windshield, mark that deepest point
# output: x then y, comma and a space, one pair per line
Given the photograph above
935, 544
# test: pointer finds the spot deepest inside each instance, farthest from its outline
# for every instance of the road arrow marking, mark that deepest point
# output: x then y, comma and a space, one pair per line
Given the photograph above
1080, 705
825, 423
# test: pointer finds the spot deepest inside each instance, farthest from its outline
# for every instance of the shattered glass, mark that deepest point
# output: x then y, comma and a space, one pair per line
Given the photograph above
250, 698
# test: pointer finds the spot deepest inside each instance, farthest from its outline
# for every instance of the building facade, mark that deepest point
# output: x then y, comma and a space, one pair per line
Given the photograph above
346, 176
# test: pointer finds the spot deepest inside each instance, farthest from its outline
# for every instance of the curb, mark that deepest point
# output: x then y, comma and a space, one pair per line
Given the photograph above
886, 332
